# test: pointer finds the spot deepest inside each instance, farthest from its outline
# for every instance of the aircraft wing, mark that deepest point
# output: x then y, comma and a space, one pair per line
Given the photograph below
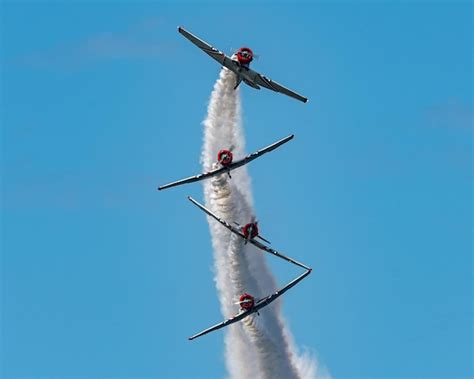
268, 299
229, 321
213, 215
230, 167
218, 55
263, 81
276, 253
195, 178
252, 241
259, 153
259, 305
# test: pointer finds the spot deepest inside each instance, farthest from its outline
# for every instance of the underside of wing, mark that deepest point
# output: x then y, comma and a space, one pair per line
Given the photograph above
239, 233
261, 246
251, 84
263, 81
217, 218
231, 167
210, 50
260, 152
195, 178
259, 305
223, 324
267, 300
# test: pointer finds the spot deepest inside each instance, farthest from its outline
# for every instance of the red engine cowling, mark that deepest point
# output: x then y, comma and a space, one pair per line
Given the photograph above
245, 55
224, 157
246, 301
250, 230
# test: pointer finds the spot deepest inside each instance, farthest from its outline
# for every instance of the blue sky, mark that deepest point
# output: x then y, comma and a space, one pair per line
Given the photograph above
102, 276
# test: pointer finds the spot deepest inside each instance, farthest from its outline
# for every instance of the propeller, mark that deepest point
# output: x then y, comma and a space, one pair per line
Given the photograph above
233, 51
229, 150
244, 301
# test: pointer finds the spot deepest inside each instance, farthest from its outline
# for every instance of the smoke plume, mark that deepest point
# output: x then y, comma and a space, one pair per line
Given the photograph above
259, 346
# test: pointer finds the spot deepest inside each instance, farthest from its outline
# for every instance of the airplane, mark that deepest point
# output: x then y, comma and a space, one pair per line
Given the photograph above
239, 64
249, 233
248, 305
224, 159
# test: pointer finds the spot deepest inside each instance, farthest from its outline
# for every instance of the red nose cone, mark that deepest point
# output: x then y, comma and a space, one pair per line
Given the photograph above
246, 301
250, 230
224, 157
245, 55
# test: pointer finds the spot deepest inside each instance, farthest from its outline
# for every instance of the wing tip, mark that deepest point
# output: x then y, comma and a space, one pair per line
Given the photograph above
180, 28
305, 100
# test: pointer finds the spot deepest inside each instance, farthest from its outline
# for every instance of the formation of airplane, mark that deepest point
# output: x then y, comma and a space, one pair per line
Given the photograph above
226, 164
249, 233
239, 63
249, 306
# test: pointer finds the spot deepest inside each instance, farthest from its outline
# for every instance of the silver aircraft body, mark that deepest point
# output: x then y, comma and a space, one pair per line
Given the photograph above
240, 232
239, 64
228, 167
259, 304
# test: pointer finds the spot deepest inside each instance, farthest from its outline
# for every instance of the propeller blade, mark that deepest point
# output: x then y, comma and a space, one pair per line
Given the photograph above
243, 301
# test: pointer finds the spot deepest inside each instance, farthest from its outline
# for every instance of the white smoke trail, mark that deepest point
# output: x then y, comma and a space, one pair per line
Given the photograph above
257, 347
